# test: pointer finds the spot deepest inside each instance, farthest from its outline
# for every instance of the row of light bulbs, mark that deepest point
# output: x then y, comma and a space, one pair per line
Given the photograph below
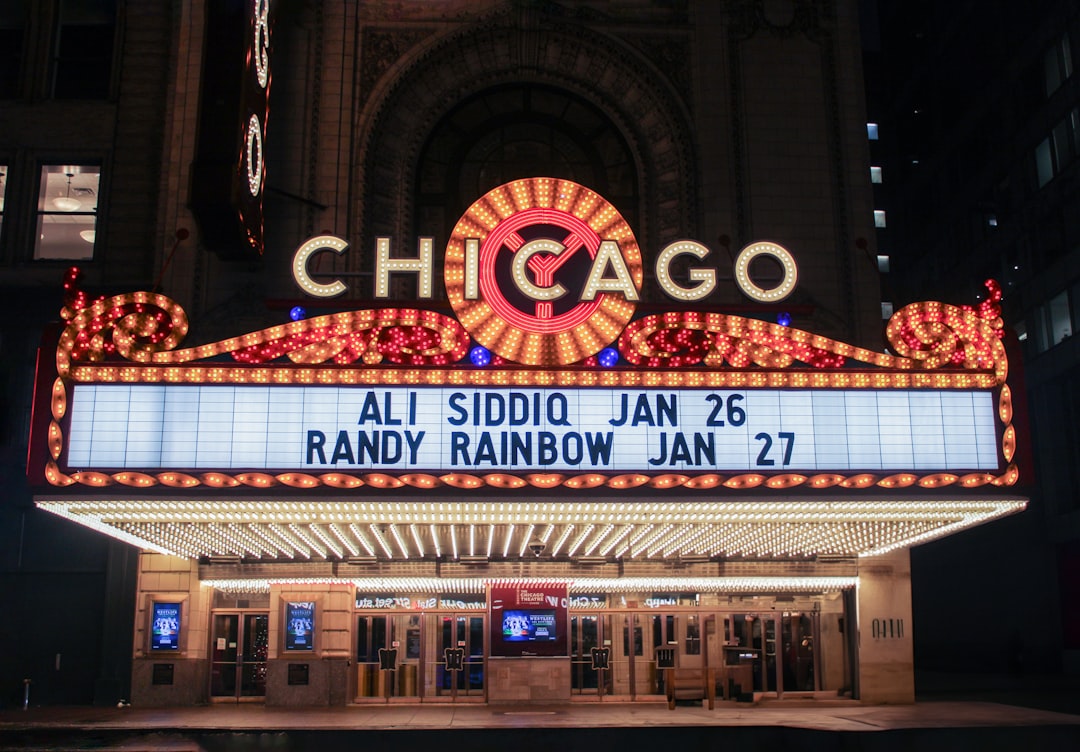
747, 534
577, 585
510, 512
464, 481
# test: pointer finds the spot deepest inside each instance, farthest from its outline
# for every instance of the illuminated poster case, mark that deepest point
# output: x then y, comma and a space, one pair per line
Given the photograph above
299, 626
164, 627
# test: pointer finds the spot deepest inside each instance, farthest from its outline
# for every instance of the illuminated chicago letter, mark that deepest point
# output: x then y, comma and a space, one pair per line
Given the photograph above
472, 266
521, 260
781, 256
609, 256
420, 265
706, 278
300, 261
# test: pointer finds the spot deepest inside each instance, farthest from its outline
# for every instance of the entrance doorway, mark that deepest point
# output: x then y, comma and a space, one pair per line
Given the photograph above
459, 655
238, 643
387, 656
799, 633
592, 659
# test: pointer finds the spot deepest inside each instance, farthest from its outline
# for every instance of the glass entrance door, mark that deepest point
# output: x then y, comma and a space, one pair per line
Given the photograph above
238, 645
371, 637
664, 652
750, 657
799, 635
459, 660
405, 640
585, 632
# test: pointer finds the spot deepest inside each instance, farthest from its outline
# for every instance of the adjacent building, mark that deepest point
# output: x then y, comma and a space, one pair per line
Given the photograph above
979, 129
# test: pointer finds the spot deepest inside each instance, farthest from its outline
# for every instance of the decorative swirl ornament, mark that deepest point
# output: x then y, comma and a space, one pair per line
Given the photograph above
144, 327
937, 335
135, 326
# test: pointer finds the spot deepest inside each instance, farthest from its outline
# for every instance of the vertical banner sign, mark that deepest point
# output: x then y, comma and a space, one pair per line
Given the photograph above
165, 626
228, 175
529, 620
300, 625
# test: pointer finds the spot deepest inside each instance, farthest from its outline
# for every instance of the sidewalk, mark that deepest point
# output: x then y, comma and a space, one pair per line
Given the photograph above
925, 725
820, 716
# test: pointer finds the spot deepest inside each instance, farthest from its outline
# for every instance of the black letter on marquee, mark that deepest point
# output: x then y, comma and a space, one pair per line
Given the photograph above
315, 442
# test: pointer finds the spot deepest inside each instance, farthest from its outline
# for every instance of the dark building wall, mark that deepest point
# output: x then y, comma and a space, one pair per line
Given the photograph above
67, 590
972, 99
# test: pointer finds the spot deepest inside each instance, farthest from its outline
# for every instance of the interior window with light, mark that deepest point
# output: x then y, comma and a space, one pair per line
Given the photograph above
67, 212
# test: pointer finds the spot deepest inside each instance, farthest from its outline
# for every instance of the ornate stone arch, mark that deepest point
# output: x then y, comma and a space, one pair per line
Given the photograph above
409, 99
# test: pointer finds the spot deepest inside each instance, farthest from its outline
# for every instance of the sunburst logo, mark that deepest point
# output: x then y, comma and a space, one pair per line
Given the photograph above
543, 271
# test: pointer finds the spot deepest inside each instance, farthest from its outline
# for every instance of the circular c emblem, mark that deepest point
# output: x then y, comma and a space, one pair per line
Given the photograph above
525, 267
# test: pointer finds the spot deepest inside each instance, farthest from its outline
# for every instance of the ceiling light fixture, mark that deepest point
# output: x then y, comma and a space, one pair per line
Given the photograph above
66, 202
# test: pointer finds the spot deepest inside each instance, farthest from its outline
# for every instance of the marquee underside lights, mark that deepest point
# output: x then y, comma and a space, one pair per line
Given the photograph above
576, 585
629, 531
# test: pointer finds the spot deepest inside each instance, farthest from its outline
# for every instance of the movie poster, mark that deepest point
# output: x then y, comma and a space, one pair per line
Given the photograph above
300, 625
165, 626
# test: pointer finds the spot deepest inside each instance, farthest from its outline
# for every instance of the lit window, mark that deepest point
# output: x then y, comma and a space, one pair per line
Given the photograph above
1021, 331
871, 131
879, 218
883, 264
875, 174
886, 310
1058, 64
991, 220
67, 212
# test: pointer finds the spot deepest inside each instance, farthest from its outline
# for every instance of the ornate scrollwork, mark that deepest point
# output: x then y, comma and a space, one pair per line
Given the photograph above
936, 335
145, 328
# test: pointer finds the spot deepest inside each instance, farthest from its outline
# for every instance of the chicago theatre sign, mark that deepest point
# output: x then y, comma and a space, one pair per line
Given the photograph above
542, 378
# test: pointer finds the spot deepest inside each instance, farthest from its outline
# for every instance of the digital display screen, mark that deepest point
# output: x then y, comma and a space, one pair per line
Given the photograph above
300, 625
528, 626
165, 626
316, 428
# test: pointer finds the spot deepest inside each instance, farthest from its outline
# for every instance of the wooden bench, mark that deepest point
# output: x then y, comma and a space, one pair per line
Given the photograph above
690, 684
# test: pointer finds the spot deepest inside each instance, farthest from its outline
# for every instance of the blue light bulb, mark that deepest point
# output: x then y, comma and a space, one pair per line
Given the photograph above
783, 318
608, 357
480, 356
297, 313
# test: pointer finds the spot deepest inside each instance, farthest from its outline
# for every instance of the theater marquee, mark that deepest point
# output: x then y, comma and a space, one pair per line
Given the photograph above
543, 377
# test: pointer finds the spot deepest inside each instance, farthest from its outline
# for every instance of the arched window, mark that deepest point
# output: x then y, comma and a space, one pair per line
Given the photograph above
518, 131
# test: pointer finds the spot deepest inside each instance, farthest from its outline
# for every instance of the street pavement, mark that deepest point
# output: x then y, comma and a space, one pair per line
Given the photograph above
594, 726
